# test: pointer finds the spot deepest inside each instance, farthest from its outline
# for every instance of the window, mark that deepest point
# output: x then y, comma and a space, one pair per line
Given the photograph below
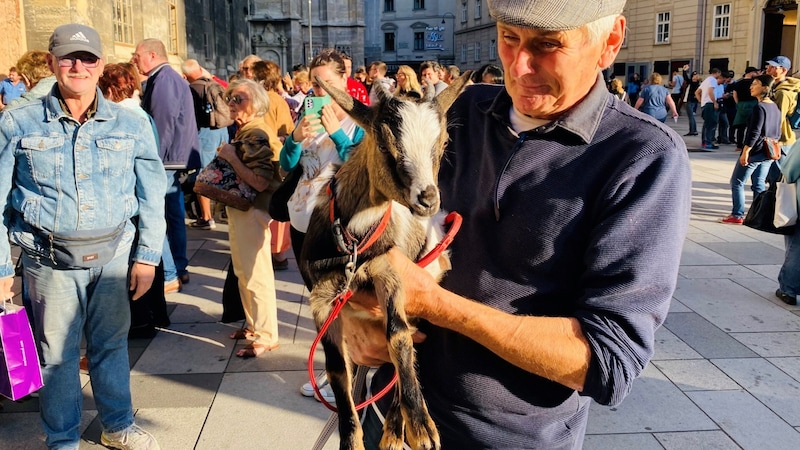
419, 4
388, 5
388, 42
172, 11
477, 9
123, 21
419, 41
463, 53
493, 50
206, 46
722, 21
463, 13
477, 55
662, 28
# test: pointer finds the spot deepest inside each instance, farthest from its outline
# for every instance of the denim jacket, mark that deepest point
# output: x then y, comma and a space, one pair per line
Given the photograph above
58, 175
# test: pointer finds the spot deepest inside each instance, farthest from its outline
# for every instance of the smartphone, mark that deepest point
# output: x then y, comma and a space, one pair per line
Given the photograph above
313, 105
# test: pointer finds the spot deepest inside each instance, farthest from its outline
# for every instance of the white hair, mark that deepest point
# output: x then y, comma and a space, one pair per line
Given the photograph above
598, 30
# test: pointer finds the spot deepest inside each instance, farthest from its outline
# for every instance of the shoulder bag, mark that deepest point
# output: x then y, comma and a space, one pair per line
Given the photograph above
219, 182
761, 214
279, 203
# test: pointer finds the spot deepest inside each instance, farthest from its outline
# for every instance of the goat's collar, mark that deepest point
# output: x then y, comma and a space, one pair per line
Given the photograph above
345, 241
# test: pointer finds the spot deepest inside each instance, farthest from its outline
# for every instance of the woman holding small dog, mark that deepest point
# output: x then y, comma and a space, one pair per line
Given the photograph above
251, 157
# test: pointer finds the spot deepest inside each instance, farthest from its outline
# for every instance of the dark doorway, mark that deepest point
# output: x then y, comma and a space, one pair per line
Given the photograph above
773, 34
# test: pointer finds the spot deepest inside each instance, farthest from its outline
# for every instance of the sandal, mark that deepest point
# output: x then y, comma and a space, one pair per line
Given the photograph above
254, 350
242, 333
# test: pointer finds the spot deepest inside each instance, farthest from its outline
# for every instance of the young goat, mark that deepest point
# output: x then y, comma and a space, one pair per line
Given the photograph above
392, 174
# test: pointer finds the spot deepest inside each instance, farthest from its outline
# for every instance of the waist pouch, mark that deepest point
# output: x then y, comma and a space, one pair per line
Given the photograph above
82, 249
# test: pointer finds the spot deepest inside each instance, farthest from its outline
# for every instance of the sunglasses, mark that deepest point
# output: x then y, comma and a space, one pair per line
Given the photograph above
237, 99
88, 61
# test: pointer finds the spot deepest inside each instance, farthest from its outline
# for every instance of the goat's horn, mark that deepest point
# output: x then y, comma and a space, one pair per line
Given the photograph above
357, 110
448, 96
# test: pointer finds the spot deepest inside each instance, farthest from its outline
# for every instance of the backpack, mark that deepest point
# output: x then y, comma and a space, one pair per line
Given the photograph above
219, 115
794, 118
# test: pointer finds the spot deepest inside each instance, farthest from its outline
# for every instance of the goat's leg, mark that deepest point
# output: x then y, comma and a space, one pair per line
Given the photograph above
420, 431
338, 368
393, 426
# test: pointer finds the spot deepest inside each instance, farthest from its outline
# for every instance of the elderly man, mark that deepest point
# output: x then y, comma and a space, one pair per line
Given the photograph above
74, 169
168, 99
575, 208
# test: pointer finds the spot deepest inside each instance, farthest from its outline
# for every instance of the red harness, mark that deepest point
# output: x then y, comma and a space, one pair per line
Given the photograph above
453, 219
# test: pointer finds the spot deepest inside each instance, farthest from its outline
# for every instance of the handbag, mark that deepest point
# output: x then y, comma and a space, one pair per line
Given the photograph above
219, 181
83, 249
785, 204
21, 373
279, 203
772, 147
761, 215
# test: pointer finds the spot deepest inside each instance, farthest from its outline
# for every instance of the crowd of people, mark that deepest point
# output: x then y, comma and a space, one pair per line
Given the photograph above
583, 295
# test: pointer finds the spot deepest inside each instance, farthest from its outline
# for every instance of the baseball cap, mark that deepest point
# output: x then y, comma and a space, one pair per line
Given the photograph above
780, 61
553, 15
74, 37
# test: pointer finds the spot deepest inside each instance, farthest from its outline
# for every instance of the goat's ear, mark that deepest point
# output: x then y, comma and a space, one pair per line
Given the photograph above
382, 93
448, 96
357, 110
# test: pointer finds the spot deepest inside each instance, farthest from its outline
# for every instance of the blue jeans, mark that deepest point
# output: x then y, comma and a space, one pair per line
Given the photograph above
67, 304
789, 276
757, 169
710, 117
210, 139
174, 252
690, 109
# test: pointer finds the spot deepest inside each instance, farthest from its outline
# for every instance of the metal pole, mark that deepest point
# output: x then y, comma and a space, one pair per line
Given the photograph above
310, 45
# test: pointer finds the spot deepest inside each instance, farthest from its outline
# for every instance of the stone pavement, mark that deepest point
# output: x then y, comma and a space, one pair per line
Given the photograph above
726, 373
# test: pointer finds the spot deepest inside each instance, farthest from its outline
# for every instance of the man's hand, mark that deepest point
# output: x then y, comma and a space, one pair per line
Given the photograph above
142, 276
366, 340
5, 288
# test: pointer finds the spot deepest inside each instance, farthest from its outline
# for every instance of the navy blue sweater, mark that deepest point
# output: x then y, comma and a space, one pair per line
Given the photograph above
582, 218
764, 121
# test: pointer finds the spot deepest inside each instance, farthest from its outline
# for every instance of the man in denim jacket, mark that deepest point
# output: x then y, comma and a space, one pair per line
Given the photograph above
73, 162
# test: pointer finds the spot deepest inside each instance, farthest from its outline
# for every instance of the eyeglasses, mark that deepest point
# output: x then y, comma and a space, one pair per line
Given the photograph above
238, 99
88, 61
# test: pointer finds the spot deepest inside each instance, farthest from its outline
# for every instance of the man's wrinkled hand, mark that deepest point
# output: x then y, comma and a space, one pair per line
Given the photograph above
142, 276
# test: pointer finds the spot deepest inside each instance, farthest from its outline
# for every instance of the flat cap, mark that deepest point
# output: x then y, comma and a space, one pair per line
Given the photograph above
74, 37
553, 15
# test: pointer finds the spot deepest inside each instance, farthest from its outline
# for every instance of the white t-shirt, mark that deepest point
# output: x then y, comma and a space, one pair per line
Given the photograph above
320, 161
709, 82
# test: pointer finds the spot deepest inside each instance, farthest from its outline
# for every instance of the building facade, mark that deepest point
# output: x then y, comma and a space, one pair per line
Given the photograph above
221, 33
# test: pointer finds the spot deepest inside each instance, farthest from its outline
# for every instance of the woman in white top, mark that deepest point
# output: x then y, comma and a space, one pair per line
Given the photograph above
319, 144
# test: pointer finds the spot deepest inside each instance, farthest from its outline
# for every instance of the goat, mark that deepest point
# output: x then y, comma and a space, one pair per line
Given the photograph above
394, 168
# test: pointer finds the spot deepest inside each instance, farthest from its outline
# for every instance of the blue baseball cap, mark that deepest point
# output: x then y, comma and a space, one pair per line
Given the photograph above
780, 61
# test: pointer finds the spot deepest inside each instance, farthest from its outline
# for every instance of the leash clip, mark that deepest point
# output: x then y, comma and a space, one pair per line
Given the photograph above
350, 267
338, 236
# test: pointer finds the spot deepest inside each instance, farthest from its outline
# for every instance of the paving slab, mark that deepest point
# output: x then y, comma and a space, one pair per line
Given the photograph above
174, 390
746, 420
732, 307
769, 384
171, 433
705, 338
695, 254
747, 252
705, 440
696, 375
636, 441
263, 410
790, 366
734, 272
771, 344
670, 346
654, 404
187, 348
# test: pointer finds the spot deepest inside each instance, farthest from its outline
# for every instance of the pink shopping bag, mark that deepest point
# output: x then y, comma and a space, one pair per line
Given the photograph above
20, 372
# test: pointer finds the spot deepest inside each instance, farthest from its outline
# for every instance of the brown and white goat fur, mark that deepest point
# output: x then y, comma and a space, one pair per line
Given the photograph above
397, 161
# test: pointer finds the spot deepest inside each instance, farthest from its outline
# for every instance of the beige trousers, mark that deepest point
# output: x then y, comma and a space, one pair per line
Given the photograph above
249, 236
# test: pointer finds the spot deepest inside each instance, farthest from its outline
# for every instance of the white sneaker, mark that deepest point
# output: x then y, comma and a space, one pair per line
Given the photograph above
327, 394
131, 438
308, 391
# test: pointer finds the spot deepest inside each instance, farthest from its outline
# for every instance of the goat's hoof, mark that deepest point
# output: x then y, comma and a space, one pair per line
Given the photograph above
422, 435
391, 442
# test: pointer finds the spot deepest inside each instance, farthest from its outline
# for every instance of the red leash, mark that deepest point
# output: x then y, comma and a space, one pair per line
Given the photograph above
454, 220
